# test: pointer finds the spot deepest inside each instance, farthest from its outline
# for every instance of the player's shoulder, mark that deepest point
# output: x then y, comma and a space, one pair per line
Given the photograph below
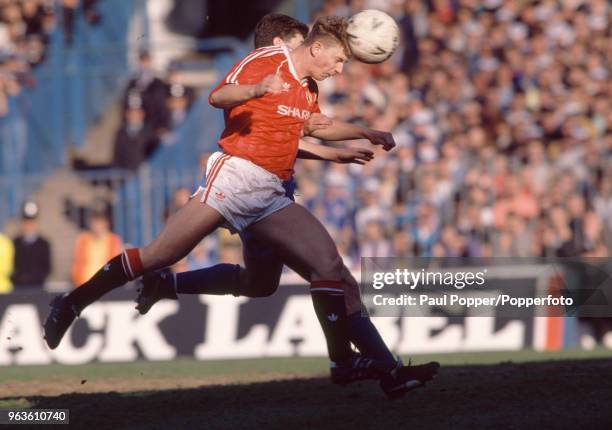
264, 53
259, 62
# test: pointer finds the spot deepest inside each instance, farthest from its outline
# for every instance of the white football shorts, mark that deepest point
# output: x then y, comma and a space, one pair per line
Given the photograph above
241, 191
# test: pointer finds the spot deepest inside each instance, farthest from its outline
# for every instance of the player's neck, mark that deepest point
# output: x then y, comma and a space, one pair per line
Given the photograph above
299, 59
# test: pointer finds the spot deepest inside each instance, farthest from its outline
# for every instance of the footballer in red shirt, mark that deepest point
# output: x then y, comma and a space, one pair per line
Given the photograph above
244, 189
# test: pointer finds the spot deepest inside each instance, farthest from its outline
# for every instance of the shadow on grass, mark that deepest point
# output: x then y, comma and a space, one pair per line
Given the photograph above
559, 394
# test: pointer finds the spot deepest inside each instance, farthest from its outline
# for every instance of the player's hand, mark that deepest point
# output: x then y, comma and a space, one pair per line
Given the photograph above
382, 138
270, 84
352, 155
316, 121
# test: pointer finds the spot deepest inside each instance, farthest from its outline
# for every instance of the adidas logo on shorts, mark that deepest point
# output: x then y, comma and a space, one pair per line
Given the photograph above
219, 196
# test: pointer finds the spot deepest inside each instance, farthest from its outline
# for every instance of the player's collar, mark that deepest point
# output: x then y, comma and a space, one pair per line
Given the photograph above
290, 63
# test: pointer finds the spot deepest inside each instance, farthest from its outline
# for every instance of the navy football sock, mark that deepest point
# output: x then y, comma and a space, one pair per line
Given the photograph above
366, 338
218, 280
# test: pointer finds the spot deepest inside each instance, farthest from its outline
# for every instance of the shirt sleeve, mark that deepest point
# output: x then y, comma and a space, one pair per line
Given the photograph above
251, 69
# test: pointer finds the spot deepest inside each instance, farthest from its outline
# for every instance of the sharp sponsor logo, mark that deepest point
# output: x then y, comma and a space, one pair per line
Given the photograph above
293, 111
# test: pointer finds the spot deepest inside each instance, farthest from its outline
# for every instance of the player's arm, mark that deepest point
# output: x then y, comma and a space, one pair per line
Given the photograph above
312, 151
339, 130
231, 95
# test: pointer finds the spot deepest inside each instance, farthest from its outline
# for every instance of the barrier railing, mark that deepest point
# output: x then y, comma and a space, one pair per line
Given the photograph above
140, 199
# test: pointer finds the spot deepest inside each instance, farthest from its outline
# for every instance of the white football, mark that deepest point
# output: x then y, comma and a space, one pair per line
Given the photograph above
373, 36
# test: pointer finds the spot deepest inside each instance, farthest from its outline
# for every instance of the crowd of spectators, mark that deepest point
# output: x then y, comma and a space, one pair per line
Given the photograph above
502, 112
25, 28
502, 115
25, 32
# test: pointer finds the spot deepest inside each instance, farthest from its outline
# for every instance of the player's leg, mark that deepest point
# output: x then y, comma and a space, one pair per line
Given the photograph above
263, 268
307, 246
300, 237
376, 360
362, 333
259, 278
182, 232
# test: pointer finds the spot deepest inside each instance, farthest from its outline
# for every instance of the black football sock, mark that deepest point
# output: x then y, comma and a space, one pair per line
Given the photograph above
328, 301
366, 338
119, 270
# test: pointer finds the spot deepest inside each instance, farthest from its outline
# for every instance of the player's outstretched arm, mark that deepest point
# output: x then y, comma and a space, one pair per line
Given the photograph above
339, 130
312, 151
231, 95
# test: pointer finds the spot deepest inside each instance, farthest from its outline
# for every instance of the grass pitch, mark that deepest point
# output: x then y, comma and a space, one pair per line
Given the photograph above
525, 389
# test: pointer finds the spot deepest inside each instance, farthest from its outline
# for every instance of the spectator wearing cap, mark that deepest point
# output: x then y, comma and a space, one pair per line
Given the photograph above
147, 87
174, 115
175, 85
178, 100
94, 247
32, 251
6, 264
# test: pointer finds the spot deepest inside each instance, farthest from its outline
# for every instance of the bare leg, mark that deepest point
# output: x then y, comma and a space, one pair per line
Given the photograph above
297, 234
299, 237
183, 231
306, 248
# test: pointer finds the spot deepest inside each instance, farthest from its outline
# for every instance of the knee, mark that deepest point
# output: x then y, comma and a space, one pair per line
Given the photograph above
257, 286
260, 290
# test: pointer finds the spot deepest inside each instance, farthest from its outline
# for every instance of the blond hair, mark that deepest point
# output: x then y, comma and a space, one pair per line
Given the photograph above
330, 29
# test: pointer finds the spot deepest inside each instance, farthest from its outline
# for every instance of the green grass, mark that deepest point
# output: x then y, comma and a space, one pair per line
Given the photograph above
553, 390
186, 367
15, 403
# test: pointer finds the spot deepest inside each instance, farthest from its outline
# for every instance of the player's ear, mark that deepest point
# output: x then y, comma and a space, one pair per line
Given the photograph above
277, 41
315, 48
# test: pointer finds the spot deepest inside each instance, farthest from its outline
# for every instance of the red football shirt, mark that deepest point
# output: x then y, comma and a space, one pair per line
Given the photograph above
266, 130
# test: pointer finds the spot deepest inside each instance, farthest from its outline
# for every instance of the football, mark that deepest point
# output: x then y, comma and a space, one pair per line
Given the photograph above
373, 36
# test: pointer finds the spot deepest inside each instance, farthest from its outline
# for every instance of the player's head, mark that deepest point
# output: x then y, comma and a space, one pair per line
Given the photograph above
328, 48
278, 29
